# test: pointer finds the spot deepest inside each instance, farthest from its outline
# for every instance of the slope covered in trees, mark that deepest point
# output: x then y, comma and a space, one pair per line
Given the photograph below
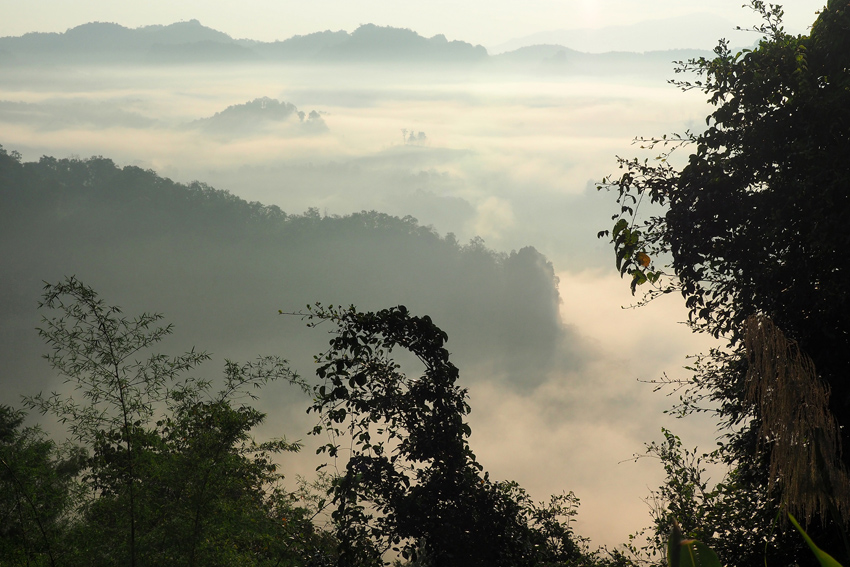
223, 267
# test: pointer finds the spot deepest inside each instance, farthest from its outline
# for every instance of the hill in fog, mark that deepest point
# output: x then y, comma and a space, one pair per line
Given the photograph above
556, 58
99, 42
690, 31
220, 268
259, 114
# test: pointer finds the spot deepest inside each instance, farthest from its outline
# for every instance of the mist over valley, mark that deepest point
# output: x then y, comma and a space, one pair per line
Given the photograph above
217, 180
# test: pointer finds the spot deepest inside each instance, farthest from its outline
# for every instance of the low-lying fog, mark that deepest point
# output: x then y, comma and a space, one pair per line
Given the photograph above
510, 155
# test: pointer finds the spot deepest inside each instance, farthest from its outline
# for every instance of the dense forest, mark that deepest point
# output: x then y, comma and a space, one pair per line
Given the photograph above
109, 226
751, 238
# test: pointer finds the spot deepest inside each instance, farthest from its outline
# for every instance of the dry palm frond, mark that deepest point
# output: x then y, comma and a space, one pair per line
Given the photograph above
793, 405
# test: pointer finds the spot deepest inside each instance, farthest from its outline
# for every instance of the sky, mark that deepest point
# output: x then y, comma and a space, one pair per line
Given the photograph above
482, 22
511, 158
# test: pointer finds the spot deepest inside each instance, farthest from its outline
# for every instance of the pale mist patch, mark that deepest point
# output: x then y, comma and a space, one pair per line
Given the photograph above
580, 426
494, 216
503, 156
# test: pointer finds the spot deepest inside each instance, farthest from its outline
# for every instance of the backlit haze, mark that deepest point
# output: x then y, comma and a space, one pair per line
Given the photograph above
507, 152
475, 21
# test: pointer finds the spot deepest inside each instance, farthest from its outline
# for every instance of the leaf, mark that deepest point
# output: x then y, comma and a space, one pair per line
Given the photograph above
825, 559
688, 552
638, 278
643, 259
674, 541
619, 226
695, 553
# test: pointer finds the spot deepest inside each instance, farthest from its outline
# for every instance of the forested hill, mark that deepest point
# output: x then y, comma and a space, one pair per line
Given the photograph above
191, 42
220, 268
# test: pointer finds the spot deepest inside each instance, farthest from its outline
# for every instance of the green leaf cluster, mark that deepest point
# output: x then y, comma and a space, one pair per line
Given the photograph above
165, 469
683, 552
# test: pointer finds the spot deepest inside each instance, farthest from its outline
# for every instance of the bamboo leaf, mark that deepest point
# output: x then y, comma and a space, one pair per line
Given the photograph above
824, 558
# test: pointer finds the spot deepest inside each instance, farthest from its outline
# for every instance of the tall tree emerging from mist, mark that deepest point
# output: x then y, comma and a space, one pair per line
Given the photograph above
95, 348
411, 482
755, 234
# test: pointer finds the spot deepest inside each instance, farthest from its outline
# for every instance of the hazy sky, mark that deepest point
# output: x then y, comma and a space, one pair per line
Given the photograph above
477, 21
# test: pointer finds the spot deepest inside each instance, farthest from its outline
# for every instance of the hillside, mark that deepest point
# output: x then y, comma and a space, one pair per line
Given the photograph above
257, 115
221, 267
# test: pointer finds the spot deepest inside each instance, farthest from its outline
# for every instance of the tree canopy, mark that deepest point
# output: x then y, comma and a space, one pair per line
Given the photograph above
752, 235
411, 482
162, 470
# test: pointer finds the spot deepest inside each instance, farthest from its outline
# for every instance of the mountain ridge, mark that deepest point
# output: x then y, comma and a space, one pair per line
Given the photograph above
692, 31
190, 42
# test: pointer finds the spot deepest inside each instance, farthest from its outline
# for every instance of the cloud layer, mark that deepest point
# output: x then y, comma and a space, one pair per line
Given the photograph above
510, 157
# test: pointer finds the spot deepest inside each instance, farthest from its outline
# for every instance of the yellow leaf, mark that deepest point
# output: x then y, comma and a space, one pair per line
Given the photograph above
642, 259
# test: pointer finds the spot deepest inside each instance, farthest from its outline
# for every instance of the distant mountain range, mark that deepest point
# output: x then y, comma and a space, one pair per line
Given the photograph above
192, 43
693, 31
557, 59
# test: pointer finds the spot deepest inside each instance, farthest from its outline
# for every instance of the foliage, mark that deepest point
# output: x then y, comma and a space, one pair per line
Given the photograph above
37, 492
686, 548
93, 347
411, 483
825, 559
683, 552
753, 226
733, 516
167, 472
173, 476
757, 204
